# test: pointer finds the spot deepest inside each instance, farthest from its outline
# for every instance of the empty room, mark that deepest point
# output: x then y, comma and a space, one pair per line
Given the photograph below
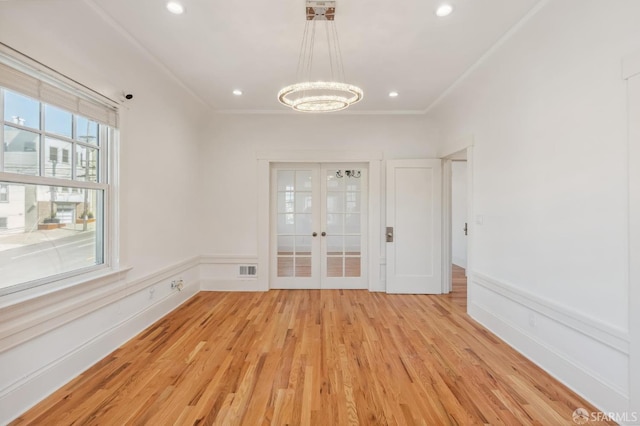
320, 212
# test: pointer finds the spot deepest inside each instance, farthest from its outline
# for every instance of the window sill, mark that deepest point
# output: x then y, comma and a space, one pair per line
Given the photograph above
27, 314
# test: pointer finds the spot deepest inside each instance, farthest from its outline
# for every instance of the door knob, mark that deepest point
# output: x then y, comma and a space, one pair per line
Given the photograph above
324, 234
315, 234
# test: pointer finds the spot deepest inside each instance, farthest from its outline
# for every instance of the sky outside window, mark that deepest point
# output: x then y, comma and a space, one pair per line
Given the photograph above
86, 130
57, 121
21, 110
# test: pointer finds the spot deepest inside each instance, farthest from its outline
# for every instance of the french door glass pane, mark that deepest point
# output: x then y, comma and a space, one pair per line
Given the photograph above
334, 183
285, 180
352, 245
286, 224
303, 246
294, 228
303, 224
352, 224
285, 266
343, 225
352, 266
335, 202
303, 267
335, 245
286, 202
352, 202
286, 245
335, 267
303, 180
303, 202
335, 224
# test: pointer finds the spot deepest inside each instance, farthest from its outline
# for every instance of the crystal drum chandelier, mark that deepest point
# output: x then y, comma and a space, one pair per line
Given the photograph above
320, 96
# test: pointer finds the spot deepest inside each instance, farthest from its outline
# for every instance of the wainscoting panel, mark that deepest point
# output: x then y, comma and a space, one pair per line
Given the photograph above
223, 273
590, 357
77, 333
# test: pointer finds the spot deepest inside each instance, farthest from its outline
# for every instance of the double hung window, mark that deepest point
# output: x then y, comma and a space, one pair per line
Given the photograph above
55, 182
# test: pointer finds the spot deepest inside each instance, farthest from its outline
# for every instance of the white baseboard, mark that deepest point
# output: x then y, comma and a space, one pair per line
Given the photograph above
23, 394
589, 357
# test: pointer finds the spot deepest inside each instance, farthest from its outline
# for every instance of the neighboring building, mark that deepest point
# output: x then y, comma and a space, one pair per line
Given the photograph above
23, 207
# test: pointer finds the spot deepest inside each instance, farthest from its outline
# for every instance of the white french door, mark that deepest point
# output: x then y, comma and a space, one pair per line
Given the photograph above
318, 226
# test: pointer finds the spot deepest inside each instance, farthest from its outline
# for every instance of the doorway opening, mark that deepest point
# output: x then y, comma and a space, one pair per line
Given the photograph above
459, 230
458, 211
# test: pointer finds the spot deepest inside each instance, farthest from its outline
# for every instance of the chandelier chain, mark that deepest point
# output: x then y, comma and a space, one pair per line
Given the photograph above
301, 55
338, 51
311, 50
329, 50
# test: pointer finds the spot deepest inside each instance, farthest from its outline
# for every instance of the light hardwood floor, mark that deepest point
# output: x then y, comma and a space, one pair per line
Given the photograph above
302, 357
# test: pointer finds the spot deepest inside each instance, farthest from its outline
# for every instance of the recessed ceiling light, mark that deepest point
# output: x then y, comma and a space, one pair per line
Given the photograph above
175, 8
237, 92
444, 10
393, 94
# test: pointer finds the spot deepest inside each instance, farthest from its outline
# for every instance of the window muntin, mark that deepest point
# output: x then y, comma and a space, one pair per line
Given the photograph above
52, 228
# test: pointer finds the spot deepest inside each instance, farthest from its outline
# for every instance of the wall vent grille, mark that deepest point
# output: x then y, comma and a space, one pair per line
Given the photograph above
248, 270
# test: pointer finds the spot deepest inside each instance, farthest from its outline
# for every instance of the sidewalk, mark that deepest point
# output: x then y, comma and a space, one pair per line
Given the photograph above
10, 241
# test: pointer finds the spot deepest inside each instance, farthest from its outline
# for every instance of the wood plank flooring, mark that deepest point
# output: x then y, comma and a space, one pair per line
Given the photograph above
311, 357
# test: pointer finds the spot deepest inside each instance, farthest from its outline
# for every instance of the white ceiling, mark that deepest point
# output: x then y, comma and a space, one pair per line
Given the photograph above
218, 46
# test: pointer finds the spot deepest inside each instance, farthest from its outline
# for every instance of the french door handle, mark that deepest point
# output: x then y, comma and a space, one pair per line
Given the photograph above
324, 234
315, 234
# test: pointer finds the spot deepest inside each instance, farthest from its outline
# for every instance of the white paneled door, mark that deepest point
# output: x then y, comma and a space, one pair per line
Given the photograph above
318, 226
414, 226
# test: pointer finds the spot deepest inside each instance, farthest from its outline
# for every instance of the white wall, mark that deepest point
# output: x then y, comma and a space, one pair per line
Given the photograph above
229, 161
158, 212
458, 213
547, 114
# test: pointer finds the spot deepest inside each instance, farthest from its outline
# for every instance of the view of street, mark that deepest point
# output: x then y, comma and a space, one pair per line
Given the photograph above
30, 256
